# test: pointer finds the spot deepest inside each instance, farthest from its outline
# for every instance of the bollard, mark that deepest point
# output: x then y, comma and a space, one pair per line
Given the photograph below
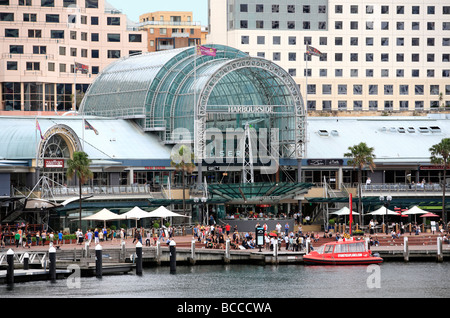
10, 269
26, 259
52, 258
227, 252
308, 245
405, 249
275, 251
158, 252
98, 261
139, 258
440, 255
173, 257
86, 249
192, 258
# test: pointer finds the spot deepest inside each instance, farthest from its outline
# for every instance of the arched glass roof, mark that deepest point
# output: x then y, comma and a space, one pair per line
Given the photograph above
164, 89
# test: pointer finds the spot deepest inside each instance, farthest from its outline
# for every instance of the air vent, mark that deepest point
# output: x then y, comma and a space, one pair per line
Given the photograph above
411, 130
334, 133
401, 130
435, 129
323, 132
424, 130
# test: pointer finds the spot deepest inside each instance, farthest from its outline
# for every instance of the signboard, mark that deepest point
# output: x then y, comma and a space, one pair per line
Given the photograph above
325, 162
433, 226
250, 109
259, 235
155, 168
54, 163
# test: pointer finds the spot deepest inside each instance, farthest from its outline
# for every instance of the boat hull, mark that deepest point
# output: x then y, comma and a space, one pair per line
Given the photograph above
311, 260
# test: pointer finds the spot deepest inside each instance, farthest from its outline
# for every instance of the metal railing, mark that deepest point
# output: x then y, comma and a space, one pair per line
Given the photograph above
403, 188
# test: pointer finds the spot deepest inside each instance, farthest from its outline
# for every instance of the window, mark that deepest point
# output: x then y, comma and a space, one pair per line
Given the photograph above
39, 49
11, 33
244, 24
11, 66
113, 21
94, 20
245, 39
135, 38
73, 51
306, 9
326, 89
68, 3
244, 8
260, 24
418, 89
113, 54
47, 3
373, 89
24, 2
384, 9
276, 56
91, 4
291, 9
388, 89
292, 56
322, 9
400, 25
34, 33
16, 49
113, 37
275, 24
259, 8
342, 89
261, 40
415, 25
275, 8
354, 9
7, 16
338, 9
95, 54
33, 66
354, 41
434, 89
357, 89
292, 40
326, 105
291, 25
369, 57
415, 10
52, 18
400, 9
276, 40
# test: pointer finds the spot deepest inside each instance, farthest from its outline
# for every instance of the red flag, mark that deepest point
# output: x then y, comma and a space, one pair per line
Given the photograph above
88, 126
203, 50
351, 213
39, 128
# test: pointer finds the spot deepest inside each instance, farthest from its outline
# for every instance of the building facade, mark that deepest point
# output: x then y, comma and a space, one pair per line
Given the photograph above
169, 30
42, 42
380, 56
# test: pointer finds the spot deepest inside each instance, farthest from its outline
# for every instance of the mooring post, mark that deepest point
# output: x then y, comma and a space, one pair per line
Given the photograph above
405, 249
158, 252
227, 257
192, 258
26, 259
440, 254
10, 269
275, 251
98, 261
139, 258
173, 257
52, 258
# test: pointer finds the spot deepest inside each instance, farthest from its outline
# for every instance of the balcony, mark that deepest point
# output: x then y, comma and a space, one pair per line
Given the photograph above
419, 189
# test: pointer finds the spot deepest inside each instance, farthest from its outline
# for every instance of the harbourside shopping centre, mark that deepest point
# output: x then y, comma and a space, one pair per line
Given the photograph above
255, 150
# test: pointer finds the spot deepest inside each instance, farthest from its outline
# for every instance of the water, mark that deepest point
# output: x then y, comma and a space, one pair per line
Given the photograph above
412, 280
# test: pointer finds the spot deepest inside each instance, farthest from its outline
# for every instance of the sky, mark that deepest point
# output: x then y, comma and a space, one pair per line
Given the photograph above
134, 8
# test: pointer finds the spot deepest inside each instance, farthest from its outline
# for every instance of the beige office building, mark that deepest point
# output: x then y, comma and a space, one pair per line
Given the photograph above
377, 56
43, 40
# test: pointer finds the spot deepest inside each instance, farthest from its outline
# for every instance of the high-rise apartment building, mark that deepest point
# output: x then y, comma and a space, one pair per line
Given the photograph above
377, 55
42, 42
168, 30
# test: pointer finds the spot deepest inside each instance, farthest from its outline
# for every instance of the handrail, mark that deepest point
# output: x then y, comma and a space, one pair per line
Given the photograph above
402, 187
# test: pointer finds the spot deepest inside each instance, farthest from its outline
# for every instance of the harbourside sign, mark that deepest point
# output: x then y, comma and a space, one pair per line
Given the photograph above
54, 163
250, 109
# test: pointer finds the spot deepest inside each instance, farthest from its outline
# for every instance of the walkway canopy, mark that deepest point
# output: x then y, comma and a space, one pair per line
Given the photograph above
258, 191
171, 90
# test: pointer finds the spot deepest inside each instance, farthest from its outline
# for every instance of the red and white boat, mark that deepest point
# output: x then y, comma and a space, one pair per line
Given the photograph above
347, 252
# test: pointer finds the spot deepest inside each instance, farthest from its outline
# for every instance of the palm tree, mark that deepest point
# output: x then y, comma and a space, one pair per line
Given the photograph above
79, 167
183, 160
440, 155
361, 156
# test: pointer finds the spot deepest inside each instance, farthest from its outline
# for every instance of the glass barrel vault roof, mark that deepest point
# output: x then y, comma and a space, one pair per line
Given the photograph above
161, 88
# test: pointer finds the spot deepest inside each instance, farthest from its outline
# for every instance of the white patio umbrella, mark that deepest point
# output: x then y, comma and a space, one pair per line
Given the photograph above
135, 213
382, 211
163, 212
103, 215
344, 211
414, 211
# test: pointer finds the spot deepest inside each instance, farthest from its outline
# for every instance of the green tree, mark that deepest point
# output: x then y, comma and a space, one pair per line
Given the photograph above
440, 154
360, 156
182, 158
78, 167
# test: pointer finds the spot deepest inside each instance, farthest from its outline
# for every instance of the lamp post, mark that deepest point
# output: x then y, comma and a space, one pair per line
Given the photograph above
386, 202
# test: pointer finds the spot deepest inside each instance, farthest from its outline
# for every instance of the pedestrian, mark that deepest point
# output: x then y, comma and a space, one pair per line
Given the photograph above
38, 237
60, 237
43, 237
96, 239
105, 234
228, 229
286, 228
278, 228
89, 237
80, 237
122, 237
17, 238
29, 239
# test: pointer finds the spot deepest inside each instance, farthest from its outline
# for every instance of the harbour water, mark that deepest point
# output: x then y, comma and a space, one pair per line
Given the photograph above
409, 280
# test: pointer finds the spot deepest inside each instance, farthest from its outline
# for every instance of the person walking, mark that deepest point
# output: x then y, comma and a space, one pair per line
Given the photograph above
43, 237
38, 237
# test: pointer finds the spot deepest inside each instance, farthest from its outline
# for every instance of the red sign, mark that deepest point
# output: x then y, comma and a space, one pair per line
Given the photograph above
155, 168
54, 163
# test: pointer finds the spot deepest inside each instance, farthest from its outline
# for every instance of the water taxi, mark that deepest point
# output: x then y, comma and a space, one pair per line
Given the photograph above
346, 252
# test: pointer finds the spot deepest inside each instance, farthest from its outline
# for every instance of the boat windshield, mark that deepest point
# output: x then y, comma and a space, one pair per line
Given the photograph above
349, 248
325, 249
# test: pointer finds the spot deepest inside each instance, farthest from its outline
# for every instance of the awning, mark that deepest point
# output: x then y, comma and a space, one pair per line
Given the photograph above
259, 191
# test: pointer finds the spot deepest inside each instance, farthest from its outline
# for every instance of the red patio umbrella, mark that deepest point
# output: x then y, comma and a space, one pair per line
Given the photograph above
429, 215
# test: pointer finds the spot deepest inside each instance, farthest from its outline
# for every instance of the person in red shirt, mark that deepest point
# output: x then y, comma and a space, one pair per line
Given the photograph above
228, 228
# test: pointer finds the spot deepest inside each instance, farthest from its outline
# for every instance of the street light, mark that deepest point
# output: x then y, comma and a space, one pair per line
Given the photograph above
386, 202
